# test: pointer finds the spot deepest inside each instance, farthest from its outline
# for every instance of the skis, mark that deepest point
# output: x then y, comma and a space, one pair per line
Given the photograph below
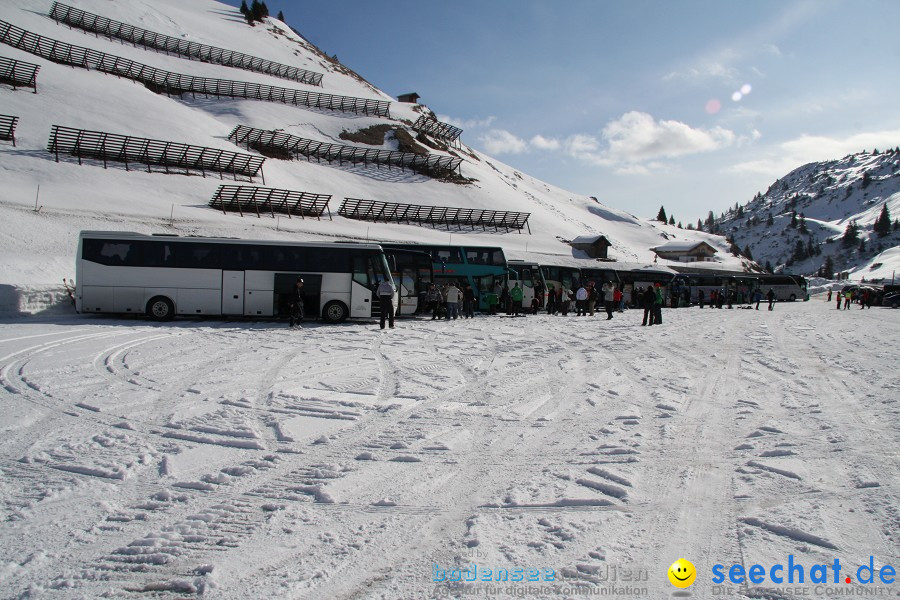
70, 289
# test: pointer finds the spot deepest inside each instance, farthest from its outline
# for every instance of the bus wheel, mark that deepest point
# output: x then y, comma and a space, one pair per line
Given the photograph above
335, 312
793, 297
161, 308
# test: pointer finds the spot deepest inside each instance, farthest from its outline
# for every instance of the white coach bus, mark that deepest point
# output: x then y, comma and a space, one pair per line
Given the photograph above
162, 276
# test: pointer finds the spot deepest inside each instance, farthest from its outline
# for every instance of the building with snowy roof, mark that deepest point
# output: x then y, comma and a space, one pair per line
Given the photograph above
686, 251
595, 246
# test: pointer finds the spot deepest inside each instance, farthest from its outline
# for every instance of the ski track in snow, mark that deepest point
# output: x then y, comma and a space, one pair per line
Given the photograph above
247, 460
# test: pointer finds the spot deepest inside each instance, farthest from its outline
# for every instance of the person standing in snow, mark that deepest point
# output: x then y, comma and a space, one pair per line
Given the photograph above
609, 298
452, 301
563, 300
770, 295
758, 296
296, 307
385, 293
434, 300
592, 297
648, 299
658, 304
515, 296
700, 297
829, 296
838, 301
618, 300
469, 302
581, 297
551, 301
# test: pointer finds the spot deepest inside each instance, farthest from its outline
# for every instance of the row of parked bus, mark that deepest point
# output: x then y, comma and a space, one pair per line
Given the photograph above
162, 276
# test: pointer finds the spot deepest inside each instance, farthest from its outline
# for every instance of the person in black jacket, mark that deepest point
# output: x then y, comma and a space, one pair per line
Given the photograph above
648, 300
469, 302
296, 308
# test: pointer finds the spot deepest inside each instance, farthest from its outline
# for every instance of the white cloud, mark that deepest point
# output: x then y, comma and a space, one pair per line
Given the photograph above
629, 144
772, 49
637, 137
807, 148
704, 70
500, 141
468, 124
580, 144
542, 143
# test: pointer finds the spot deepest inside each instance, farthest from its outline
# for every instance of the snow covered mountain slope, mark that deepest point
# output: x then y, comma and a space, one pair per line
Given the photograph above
801, 220
44, 203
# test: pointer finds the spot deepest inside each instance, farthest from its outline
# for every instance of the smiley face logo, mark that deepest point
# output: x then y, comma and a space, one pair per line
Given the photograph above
682, 573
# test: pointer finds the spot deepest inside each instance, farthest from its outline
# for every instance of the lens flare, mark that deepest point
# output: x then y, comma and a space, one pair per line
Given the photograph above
737, 96
713, 106
746, 89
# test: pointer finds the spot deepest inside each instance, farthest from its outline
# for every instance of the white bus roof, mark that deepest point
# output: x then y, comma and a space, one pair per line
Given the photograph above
131, 235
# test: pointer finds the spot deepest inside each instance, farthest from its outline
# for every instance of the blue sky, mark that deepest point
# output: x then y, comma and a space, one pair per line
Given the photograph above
691, 105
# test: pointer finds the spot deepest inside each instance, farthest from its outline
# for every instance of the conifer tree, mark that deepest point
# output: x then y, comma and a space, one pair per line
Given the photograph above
244, 9
827, 270
862, 245
768, 267
801, 224
882, 224
280, 16
671, 220
661, 215
866, 180
851, 234
769, 220
793, 219
747, 252
699, 225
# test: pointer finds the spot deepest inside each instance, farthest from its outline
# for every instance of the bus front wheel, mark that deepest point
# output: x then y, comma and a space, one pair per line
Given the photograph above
161, 308
335, 312
793, 297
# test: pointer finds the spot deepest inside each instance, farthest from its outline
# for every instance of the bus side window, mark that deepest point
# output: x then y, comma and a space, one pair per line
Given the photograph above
372, 271
362, 271
199, 255
158, 254
119, 254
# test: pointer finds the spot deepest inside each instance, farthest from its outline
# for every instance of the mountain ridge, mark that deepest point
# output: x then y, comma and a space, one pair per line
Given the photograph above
811, 209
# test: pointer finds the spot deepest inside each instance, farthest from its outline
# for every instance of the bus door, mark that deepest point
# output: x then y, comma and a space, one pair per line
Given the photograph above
363, 287
526, 282
284, 293
407, 292
232, 292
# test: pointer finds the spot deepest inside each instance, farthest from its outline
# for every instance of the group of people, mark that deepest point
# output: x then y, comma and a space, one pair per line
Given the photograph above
865, 298
583, 301
452, 300
444, 301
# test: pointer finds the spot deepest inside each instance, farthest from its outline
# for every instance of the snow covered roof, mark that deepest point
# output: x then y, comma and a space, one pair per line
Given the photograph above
685, 246
589, 239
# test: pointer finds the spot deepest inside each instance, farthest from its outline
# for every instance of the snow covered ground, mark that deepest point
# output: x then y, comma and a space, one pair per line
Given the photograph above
244, 460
